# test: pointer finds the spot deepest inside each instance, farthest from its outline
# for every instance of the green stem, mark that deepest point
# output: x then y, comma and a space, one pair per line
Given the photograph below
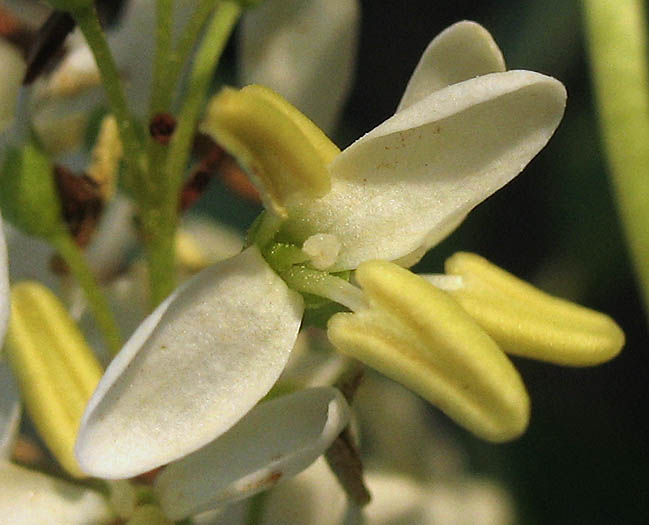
179, 56
89, 24
159, 222
163, 41
255, 512
302, 279
207, 57
617, 41
160, 214
77, 264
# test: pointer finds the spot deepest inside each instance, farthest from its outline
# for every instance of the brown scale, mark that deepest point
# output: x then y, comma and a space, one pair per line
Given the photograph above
216, 163
81, 203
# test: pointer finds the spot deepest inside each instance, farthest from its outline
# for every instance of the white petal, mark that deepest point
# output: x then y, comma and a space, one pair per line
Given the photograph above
314, 497
460, 52
9, 411
115, 236
411, 180
4, 285
275, 441
195, 366
31, 497
304, 50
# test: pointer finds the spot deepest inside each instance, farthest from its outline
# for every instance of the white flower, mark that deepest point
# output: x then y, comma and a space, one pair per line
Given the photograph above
315, 497
205, 357
28, 496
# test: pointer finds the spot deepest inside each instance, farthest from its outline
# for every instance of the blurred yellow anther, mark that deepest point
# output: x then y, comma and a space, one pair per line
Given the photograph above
106, 155
419, 336
285, 154
189, 254
56, 370
528, 322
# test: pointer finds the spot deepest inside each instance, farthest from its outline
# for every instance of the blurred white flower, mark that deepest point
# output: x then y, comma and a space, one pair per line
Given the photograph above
305, 50
28, 496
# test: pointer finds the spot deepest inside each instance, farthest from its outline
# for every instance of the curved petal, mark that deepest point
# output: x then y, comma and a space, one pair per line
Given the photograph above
31, 497
193, 368
4, 285
460, 52
9, 411
273, 442
411, 180
288, 44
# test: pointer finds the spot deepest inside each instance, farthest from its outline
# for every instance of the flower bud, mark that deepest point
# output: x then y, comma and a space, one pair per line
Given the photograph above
28, 196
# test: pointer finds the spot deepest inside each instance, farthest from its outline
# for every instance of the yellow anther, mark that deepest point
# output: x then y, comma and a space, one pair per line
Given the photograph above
283, 151
106, 155
419, 336
189, 253
56, 370
528, 322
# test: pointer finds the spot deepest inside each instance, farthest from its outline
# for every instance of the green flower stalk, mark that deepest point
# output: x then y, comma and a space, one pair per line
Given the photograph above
616, 35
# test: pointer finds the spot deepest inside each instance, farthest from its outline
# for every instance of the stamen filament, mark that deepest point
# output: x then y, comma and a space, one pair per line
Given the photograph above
326, 285
96, 299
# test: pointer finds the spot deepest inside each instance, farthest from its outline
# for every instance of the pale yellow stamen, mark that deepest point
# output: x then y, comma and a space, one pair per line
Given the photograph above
528, 322
55, 369
189, 253
105, 158
419, 336
284, 152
